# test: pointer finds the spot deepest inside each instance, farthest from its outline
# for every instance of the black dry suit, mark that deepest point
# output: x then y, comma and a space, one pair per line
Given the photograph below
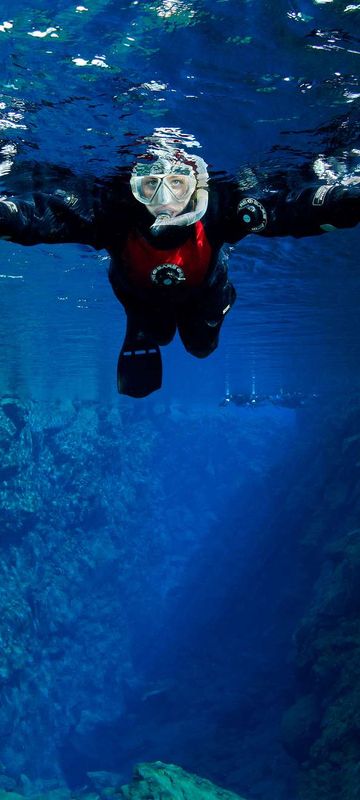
178, 277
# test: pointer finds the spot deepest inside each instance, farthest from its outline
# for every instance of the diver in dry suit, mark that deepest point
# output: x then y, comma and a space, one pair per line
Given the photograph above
166, 227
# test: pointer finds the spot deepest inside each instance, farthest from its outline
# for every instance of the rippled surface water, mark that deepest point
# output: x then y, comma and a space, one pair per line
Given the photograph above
254, 83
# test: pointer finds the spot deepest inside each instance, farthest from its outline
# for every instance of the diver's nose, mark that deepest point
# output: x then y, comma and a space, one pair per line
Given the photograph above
163, 195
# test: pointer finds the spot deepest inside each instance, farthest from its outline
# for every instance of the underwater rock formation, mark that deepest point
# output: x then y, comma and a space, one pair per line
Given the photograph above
151, 781
66, 556
321, 730
115, 590
87, 536
158, 781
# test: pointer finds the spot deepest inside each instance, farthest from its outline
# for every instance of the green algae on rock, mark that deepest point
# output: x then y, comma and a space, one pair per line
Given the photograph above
159, 781
151, 781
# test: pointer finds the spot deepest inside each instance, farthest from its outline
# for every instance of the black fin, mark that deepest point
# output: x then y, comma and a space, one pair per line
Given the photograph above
139, 370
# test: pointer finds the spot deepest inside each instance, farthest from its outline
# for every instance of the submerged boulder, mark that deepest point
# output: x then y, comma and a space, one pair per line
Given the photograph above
101, 780
158, 781
300, 726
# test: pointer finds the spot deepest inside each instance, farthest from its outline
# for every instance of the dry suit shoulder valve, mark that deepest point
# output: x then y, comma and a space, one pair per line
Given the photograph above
252, 214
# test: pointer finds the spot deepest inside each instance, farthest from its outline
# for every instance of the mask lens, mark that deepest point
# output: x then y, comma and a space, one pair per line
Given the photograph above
178, 185
147, 187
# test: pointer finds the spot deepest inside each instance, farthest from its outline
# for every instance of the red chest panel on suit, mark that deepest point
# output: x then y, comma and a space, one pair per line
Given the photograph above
188, 263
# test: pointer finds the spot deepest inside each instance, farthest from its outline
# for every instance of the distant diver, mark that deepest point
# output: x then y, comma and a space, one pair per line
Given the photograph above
165, 224
291, 399
245, 400
282, 399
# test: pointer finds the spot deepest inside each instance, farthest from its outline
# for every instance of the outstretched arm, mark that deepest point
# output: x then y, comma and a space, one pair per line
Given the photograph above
307, 211
313, 210
64, 216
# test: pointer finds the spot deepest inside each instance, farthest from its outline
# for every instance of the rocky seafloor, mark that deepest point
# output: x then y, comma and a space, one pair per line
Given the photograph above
152, 781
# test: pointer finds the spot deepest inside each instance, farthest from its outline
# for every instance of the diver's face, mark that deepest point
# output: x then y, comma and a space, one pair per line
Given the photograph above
168, 194
164, 193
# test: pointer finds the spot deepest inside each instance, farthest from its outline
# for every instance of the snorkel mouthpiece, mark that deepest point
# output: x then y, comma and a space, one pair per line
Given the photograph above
162, 221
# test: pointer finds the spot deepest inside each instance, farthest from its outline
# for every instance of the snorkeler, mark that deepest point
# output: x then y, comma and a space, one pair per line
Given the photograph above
165, 226
282, 399
252, 400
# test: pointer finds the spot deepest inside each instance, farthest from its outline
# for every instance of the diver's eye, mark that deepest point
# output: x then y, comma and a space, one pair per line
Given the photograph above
149, 185
177, 182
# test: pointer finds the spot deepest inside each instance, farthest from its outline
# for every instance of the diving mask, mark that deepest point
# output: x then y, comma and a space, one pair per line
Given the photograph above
154, 188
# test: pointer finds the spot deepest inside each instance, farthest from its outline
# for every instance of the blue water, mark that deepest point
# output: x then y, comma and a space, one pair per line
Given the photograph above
178, 505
